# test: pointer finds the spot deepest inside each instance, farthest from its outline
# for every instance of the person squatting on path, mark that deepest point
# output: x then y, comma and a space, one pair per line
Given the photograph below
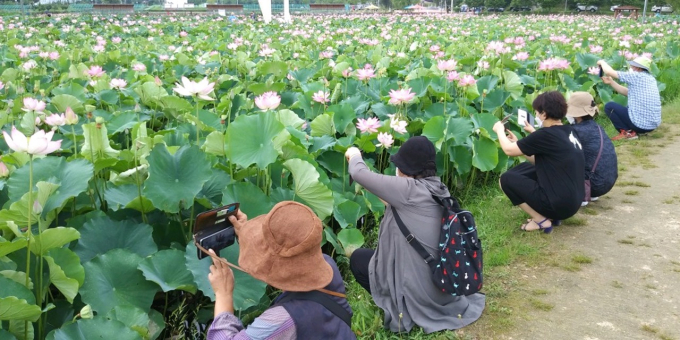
643, 113
282, 249
394, 273
593, 138
550, 186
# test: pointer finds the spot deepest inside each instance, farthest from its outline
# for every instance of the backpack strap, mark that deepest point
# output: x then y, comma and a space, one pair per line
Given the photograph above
322, 299
599, 153
411, 239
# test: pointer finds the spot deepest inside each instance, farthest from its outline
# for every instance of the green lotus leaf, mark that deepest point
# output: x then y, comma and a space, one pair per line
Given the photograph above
351, 239
322, 125
253, 201
162, 268
458, 129
250, 140
343, 115
66, 272
148, 326
151, 94
52, 238
17, 276
63, 101
112, 279
461, 156
5, 335
215, 144
174, 180
309, 189
8, 247
127, 196
484, 154
347, 213
211, 194
512, 84
98, 327
199, 270
17, 302
123, 121
101, 234
72, 178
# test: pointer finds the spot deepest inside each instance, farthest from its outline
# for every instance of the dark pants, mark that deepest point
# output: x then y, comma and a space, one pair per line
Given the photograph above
618, 114
358, 264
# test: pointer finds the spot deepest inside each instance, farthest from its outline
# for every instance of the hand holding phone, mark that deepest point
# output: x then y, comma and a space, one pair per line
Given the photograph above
601, 71
213, 230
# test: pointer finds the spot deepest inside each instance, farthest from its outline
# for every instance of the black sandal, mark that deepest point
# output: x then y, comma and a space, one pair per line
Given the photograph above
546, 230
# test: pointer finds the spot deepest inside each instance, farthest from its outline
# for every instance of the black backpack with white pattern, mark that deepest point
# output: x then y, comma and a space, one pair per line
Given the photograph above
458, 268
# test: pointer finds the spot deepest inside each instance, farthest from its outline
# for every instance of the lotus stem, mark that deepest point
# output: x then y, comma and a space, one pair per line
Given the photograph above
28, 231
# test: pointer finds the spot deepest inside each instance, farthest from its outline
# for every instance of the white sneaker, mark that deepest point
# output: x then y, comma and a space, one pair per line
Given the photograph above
584, 203
593, 199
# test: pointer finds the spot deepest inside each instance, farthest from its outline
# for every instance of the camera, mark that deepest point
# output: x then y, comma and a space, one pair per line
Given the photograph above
213, 230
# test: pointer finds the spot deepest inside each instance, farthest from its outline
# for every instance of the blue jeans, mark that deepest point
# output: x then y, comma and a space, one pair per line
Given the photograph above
618, 114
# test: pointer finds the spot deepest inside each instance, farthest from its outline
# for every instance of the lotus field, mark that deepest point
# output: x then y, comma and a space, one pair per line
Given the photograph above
118, 130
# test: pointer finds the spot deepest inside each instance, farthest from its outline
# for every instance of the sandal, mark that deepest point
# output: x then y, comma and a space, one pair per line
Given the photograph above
546, 230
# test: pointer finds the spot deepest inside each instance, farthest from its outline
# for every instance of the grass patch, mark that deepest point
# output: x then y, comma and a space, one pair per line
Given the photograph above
539, 292
576, 221
665, 337
572, 267
675, 263
627, 201
624, 241
633, 184
581, 259
650, 286
544, 306
617, 284
631, 192
668, 201
649, 329
589, 211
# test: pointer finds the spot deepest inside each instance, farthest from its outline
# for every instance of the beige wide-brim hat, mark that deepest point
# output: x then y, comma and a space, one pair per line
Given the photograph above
283, 248
581, 104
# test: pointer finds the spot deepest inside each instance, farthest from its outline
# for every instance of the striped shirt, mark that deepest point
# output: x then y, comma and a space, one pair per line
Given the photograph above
644, 101
274, 323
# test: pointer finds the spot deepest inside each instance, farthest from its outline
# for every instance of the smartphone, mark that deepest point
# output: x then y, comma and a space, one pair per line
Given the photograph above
213, 230
521, 117
601, 72
506, 119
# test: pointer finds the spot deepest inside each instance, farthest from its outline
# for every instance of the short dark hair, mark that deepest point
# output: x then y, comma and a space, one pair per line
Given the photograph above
426, 173
552, 104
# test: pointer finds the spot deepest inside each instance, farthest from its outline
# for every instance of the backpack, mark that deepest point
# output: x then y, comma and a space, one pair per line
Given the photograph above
458, 270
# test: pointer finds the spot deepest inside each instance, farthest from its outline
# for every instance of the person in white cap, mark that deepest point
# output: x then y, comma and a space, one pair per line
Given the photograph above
600, 156
643, 113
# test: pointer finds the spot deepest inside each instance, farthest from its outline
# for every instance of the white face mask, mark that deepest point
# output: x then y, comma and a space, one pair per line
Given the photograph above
571, 120
538, 122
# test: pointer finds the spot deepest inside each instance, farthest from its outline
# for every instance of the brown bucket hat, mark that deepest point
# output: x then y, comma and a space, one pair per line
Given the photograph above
581, 104
283, 248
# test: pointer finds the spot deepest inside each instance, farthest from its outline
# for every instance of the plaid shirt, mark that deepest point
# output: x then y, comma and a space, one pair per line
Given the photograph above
644, 101
274, 324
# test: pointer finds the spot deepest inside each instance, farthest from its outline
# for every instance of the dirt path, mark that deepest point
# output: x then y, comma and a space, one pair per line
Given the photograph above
631, 289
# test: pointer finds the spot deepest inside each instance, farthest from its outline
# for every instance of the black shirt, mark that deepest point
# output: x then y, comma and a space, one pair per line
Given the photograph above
559, 164
606, 173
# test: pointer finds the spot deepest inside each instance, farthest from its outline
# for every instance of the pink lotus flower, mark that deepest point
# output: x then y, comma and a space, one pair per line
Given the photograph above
385, 140
368, 125
325, 55
183, 34
594, 70
139, 67
595, 49
401, 96
347, 72
54, 55
55, 120
116, 40
268, 101
321, 97
95, 71
2, 85
447, 65
483, 64
467, 80
70, 117
39, 144
4, 172
365, 74
99, 48
117, 83
266, 51
521, 56
453, 75
32, 104
397, 125
29, 65
202, 89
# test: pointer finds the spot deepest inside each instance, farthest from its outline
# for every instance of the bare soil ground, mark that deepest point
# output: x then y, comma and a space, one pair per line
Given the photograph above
614, 273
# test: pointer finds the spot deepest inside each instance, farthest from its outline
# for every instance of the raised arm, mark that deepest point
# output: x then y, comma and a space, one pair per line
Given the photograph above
390, 189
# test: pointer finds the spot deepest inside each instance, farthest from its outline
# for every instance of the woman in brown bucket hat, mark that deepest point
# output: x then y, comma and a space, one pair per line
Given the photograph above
394, 273
283, 249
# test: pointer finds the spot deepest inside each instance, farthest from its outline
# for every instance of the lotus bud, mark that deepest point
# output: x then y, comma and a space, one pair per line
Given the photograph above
37, 208
90, 108
70, 117
4, 172
37, 120
137, 108
158, 81
86, 312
